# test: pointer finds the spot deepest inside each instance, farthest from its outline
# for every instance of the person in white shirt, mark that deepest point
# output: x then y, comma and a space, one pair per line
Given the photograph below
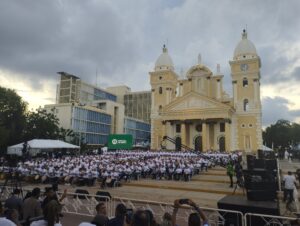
289, 186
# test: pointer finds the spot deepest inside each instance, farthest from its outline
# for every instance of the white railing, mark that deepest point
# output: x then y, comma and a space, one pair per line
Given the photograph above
222, 217
73, 203
252, 219
84, 204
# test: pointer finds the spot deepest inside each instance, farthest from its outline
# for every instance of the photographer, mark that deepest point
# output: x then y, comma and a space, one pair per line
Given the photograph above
194, 218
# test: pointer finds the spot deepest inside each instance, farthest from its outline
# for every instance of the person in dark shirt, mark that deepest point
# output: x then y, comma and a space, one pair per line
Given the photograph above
120, 213
51, 195
14, 202
101, 218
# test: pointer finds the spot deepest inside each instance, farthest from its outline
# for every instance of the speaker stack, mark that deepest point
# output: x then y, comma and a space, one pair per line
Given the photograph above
261, 179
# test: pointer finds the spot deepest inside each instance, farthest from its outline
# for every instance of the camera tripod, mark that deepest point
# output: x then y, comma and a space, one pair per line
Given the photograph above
12, 180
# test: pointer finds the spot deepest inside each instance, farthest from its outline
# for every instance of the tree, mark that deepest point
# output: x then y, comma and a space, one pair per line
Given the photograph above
12, 118
41, 125
67, 135
282, 134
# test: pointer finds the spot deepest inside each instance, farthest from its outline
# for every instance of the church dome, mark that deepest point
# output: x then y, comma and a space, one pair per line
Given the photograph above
245, 49
164, 61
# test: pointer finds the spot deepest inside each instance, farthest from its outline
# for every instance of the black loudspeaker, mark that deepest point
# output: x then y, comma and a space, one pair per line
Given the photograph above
259, 164
260, 154
271, 164
250, 161
82, 192
103, 193
261, 195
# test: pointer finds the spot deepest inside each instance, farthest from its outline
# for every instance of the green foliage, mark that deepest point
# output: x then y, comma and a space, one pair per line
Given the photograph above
282, 134
17, 125
12, 118
41, 125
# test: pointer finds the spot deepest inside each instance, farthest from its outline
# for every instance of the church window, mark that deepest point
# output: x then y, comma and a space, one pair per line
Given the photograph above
250, 125
160, 90
222, 127
245, 82
178, 128
243, 125
246, 105
160, 77
199, 128
160, 107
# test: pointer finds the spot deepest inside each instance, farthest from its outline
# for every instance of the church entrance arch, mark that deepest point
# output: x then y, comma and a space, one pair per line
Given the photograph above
178, 143
222, 144
198, 144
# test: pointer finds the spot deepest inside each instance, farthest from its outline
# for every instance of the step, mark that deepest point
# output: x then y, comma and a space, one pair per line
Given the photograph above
208, 187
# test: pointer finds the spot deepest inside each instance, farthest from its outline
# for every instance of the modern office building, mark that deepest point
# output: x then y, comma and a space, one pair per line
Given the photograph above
94, 113
92, 125
73, 90
139, 130
137, 104
195, 111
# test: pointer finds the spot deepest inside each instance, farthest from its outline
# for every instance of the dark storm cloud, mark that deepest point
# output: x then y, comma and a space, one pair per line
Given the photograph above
39, 38
122, 39
277, 108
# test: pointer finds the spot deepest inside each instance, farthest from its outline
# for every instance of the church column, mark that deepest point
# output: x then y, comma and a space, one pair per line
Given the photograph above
183, 133
228, 136
204, 136
152, 100
234, 93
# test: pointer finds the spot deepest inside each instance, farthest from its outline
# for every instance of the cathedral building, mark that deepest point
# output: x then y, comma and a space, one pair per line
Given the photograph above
196, 112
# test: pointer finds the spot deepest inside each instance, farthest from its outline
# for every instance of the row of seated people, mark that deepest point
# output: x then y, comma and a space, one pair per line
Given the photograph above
106, 179
176, 174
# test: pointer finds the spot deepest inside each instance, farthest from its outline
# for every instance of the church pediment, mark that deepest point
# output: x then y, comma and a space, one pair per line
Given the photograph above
194, 101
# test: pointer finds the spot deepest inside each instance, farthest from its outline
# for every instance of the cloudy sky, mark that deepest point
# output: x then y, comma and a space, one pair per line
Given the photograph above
120, 40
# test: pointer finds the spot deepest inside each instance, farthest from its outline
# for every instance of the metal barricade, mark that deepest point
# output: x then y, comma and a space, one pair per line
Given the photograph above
252, 219
157, 208
73, 203
221, 217
216, 217
84, 204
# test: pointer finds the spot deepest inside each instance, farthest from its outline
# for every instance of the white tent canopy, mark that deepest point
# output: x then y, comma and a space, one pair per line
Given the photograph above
37, 145
265, 148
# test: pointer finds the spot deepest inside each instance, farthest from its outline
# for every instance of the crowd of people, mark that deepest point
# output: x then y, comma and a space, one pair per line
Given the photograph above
34, 211
112, 167
31, 210
108, 168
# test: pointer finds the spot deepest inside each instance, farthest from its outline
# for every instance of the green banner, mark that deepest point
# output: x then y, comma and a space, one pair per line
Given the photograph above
120, 141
